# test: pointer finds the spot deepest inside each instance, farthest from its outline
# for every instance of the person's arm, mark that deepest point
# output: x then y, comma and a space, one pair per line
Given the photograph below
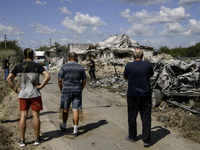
83, 84
11, 83
60, 84
47, 77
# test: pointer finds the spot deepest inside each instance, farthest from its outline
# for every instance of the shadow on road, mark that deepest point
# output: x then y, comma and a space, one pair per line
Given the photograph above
58, 133
157, 135
43, 113
92, 126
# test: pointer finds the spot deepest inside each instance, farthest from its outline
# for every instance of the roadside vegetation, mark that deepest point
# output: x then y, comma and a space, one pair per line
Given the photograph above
192, 51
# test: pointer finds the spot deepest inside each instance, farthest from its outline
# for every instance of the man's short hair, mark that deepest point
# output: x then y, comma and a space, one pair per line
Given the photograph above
28, 53
138, 53
72, 56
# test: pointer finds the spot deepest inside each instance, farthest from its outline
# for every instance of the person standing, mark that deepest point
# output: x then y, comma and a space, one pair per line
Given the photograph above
29, 93
71, 81
6, 67
47, 64
92, 68
138, 74
36, 60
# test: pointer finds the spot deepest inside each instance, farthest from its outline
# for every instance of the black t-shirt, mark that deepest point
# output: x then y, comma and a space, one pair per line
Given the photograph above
6, 62
93, 64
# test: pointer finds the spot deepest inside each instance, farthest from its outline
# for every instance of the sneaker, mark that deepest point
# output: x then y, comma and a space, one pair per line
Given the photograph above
146, 144
63, 129
38, 141
21, 143
129, 139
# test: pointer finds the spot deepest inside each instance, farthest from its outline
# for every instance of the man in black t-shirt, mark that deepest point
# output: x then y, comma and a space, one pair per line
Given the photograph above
138, 74
29, 92
6, 67
92, 68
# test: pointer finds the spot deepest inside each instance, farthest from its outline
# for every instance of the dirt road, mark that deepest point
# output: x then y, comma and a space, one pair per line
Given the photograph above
103, 124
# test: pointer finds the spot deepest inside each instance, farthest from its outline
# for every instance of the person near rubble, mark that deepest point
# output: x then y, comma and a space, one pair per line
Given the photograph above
92, 68
36, 60
6, 67
28, 89
138, 74
47, 64
71, 81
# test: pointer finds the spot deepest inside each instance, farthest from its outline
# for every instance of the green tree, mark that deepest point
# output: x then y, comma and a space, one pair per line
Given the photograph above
164, 49
13, 50
43, 48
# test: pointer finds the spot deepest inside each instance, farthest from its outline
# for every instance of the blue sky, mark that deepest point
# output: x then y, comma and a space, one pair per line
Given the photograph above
155, 23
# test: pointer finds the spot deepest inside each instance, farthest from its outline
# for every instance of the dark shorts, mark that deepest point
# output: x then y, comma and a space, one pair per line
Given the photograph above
34, 103
71, 97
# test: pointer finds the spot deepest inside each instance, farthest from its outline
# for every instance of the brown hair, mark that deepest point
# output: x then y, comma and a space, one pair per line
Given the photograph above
73, 56
28, 53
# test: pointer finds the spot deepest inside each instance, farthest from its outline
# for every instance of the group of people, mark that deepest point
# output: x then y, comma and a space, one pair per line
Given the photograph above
71, 81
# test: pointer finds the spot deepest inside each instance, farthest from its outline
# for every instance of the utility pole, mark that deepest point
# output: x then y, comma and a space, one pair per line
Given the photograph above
5, 40
50, 42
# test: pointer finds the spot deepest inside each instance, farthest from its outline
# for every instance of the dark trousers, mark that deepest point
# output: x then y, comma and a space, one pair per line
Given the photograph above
142, 105
92, 73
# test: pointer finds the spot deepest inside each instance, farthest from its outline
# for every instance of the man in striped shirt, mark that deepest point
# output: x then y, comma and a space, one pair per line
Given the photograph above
71, 81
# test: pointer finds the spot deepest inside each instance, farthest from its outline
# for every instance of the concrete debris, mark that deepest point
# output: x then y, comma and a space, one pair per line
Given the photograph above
117, 84
173, 79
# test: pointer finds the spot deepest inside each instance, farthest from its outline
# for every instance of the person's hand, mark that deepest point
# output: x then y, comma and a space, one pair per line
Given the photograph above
17, 90
39, 87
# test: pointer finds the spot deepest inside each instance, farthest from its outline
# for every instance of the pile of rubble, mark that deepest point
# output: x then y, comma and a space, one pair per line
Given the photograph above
115, 83
173, 79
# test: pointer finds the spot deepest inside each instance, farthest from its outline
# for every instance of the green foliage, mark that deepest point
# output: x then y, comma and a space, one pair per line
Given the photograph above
13, 50
61, 50
43, 48
192, 51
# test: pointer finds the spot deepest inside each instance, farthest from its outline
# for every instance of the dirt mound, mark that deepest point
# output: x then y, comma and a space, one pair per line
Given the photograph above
186, 123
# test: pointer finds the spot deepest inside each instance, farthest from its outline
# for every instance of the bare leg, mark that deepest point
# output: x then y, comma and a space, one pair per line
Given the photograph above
75, 116
36, 123
65, 115
22, 124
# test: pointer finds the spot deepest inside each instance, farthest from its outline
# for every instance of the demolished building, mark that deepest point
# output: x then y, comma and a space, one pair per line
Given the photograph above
114, 46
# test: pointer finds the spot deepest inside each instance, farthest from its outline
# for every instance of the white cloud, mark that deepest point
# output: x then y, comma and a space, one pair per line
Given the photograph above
64, 10
96, 30
67, 1
10, 30
188, 2
81, 22
194, 27
173, 29
86, 20
71, 25
145, 2
141, 30
165, 15
38, 2
126, 13
38, 28
156, 43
